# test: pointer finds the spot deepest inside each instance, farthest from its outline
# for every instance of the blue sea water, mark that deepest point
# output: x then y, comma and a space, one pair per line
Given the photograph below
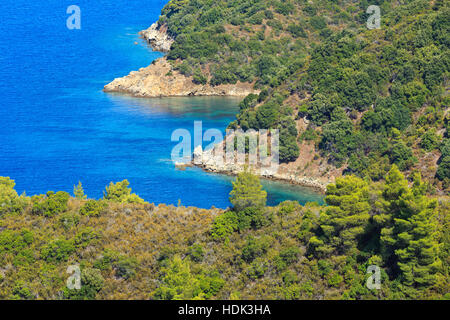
58, 127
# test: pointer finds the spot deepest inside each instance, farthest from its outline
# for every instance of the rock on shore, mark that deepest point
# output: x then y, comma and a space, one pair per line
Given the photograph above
158, 80
208, 161
157, 37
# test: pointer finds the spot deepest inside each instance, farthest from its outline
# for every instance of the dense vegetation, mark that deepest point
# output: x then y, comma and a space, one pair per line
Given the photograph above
370, 98
129, 249
373, 101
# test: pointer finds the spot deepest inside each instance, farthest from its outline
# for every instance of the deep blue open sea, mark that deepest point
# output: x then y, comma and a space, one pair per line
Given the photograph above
57, 127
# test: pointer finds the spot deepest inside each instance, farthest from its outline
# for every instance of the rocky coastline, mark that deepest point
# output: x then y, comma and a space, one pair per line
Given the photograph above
282, 177
160, 80
157, 37
208, 162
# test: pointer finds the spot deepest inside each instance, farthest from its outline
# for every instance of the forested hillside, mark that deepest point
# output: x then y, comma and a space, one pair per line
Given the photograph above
128, 249
366, 99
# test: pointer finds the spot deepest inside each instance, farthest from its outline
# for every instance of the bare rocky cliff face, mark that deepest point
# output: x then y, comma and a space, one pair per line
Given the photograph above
157, 37
159, 80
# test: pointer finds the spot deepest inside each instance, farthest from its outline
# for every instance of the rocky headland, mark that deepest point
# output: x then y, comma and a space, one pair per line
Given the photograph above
160, 80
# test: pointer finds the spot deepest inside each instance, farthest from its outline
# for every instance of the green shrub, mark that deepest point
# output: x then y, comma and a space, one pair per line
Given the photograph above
126, 267
257, 269
430, 140
335, 280
78, 191
57, 250
85, 237
296, 30
254, 248
51, 204
68, 220
211, 285
21, 291
257, 18
224, 225
199, 78
93, 208
185, 69
318, 22
120, 192
289, 255
289, 277
251, 217
24, 257
443, 171
196, 252
223, 75
107, 259
91, 283
10, 240
284, 7
285, 258
10, 202
178, 282
401, 155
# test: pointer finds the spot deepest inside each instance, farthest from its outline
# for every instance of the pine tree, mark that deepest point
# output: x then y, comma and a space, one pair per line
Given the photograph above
10, 201
247, 192
409, 238
178, 282
345, 218
78, 191
248, 200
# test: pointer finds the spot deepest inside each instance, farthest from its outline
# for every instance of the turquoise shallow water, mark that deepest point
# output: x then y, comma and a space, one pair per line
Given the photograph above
58, 127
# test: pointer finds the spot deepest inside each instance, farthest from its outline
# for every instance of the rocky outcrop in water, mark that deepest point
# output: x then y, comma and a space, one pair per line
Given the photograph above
158, 37
159, 80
